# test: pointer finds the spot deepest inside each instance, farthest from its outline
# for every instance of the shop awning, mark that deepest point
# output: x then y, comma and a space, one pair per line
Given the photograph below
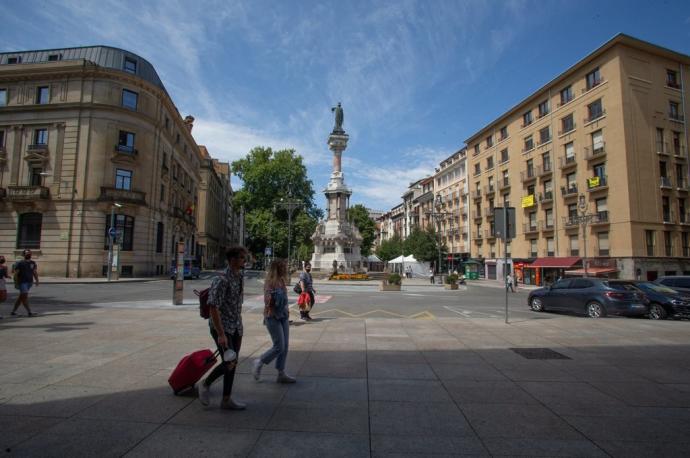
555, 263
594, 271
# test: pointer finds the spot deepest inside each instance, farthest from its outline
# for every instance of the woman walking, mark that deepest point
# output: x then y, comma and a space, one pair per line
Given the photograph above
276, 322
3, 276
307, 285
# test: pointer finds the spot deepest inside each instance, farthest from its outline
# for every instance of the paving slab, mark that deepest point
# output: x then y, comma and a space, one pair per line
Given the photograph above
310, 444
186, 441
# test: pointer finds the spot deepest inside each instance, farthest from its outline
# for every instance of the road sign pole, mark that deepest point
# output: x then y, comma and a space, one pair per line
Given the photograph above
111, 238
505, 253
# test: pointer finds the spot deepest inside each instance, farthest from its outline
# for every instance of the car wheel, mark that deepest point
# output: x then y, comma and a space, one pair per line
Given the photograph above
595, 310
536, 304
657, 312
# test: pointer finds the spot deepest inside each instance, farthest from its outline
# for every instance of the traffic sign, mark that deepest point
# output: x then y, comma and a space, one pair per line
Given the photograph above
267, 251
112, 232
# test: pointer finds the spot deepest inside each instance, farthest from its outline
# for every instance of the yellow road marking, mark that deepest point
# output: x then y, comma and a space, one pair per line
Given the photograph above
425, 315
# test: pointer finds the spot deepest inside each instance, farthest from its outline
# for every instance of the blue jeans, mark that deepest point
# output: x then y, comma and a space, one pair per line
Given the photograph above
280, 334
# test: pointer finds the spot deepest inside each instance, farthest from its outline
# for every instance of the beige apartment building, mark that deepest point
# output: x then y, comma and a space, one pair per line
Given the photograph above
607, 138
86, 133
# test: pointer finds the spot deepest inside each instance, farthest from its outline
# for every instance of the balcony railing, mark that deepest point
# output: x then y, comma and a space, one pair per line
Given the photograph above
546, 197
592, 85
546, 226
601, 217
489, 234
679, 151
597, 182
673, 84
477, 194
489, 212
37, 147
28, 193
528, 174
3, 193
489, 189
594, 152
567, 129
477, 236
570, 221
503, 183
124, 149
676, 117
122, 195
594, 116
665, 182
544, 170
530, 228
567, 161
568, 191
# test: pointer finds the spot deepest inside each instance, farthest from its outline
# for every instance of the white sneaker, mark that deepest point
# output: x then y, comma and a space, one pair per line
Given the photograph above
204, 394
256, 369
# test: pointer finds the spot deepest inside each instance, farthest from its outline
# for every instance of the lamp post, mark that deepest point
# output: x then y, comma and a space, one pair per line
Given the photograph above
112, 233
437, 214
290, 205
584, 219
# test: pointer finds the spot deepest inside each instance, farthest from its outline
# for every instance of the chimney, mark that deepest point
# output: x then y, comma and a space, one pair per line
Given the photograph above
189, 122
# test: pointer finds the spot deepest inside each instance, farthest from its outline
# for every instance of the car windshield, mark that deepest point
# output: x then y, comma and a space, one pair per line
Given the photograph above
648, 286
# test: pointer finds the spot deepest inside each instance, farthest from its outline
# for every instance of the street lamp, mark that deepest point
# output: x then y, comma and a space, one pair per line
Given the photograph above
584, 219
290, 205
112, 233
437, 214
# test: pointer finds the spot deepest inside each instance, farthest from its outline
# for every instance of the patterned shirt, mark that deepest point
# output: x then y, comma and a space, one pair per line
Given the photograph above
226, 294
308, 282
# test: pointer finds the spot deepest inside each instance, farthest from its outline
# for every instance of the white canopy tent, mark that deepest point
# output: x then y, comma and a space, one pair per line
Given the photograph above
402, 264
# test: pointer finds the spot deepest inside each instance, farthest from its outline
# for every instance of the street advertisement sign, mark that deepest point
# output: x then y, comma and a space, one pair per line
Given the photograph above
178, 284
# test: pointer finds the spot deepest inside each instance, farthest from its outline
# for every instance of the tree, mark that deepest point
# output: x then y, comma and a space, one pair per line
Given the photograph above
390, 249
367, 227
268, 176
423, 244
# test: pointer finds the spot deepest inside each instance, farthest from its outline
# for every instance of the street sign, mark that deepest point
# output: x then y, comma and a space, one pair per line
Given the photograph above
504, 230
112, 232
267, 251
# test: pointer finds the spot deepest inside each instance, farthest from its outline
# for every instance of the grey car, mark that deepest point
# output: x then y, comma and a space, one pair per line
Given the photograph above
680, 283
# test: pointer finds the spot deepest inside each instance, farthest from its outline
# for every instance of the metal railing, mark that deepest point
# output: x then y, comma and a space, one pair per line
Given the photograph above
503, 183
594, 152
594, 116
529, 228
669, 217
546, 196
528, 174
566, 161
28, 193
665, 182
568, 191
489, 189
676, 116
126, 149
544, 169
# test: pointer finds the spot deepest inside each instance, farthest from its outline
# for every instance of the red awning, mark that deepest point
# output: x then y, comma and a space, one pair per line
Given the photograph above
556, 263
595, 271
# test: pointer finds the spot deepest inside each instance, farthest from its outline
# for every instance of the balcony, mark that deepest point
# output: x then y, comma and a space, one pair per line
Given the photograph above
489, 234
477, 194
673, 84
592, 85
530, 228
489, 189
676, 117
546, 226
665, 182
544, 170
679, 152
681, 184
122, 195
489, 212
529, 201
477, 214
594, 152
27, 193
669, 217
546, 197
600, 218
477, 237
597, 183
566, 162
127, 150
570, 222
503, 183
528, 175
662, 148
594, 116
569, 191
567, 129
37, 148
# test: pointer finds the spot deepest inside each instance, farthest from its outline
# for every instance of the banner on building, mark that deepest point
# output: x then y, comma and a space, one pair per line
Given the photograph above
528, 201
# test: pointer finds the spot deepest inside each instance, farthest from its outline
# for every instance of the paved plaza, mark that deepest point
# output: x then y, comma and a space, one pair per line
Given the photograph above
91, 379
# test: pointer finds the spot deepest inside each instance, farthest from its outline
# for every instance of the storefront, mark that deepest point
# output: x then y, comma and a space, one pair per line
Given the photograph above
597, 267
544, 271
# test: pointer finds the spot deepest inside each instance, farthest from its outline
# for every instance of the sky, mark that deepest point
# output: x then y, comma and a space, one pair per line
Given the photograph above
415, 78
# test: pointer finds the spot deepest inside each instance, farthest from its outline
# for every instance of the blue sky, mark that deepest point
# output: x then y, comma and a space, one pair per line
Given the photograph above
415, 78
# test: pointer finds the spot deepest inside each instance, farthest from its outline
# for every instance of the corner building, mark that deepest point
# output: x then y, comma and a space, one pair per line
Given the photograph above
81, 130
607, 138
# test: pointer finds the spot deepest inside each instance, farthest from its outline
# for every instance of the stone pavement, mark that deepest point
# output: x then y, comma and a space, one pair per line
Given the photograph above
86, 381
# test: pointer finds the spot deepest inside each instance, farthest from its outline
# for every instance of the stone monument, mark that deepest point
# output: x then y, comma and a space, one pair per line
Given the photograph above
337, 241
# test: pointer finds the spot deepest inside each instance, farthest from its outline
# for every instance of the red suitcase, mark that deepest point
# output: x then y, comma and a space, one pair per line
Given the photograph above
190, 369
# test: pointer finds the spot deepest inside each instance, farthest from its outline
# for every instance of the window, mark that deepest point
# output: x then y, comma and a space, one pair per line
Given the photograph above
572, 211
529, 143
123, 179
162, 193
544, 135
41, 137
530, 190
477, 169
489, 141
126, 142
574, 244
504, 178
685, 239
569, 152
2, 139
546, 161
504, 155
677, 150
566, 95
29, 230
167, 122
530, 168
42, 95
668, 246
130, 65
602, 208
673, 110
527, 118
533, 248
681, 211
54, 57
603, 243
649, 241
548, 189
35, 177
598, 141
533, 221
660, 144
548, 217
125, 230
3, 97
129, 99
159, 237
666, 209
561, 284
672, 79
600, 171
177, 140
594, 110
489, 163
14, 60
567, 124
550, 250
504, 132
571, 181
593, 78
543, 108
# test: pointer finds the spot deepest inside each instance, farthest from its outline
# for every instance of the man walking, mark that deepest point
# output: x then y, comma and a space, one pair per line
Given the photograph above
26, 272
509, 283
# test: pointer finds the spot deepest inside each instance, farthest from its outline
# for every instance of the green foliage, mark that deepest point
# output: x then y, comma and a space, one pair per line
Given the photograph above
451, 279
267, 177
423, 245
390, 249
394, 279
367, 227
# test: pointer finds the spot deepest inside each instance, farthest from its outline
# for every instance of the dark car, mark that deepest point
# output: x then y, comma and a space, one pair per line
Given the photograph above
590, 296
681, 283
663, 301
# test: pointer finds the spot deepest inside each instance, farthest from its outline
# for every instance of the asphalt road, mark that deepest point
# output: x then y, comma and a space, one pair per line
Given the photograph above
333, 300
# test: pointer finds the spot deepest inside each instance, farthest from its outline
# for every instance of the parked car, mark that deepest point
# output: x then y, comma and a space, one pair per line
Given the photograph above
191, 269
663, 301
590, 296
681, 283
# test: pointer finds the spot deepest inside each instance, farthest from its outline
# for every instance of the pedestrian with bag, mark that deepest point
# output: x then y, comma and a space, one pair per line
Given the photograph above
509, 283
25, 273
3, 276
276, 314
307, 286
225, 298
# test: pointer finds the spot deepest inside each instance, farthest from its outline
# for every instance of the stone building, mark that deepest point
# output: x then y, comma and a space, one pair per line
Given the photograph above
85, 132
607, 138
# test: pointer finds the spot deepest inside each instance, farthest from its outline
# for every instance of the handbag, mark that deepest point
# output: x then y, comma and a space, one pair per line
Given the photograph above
298, 288
304, 302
